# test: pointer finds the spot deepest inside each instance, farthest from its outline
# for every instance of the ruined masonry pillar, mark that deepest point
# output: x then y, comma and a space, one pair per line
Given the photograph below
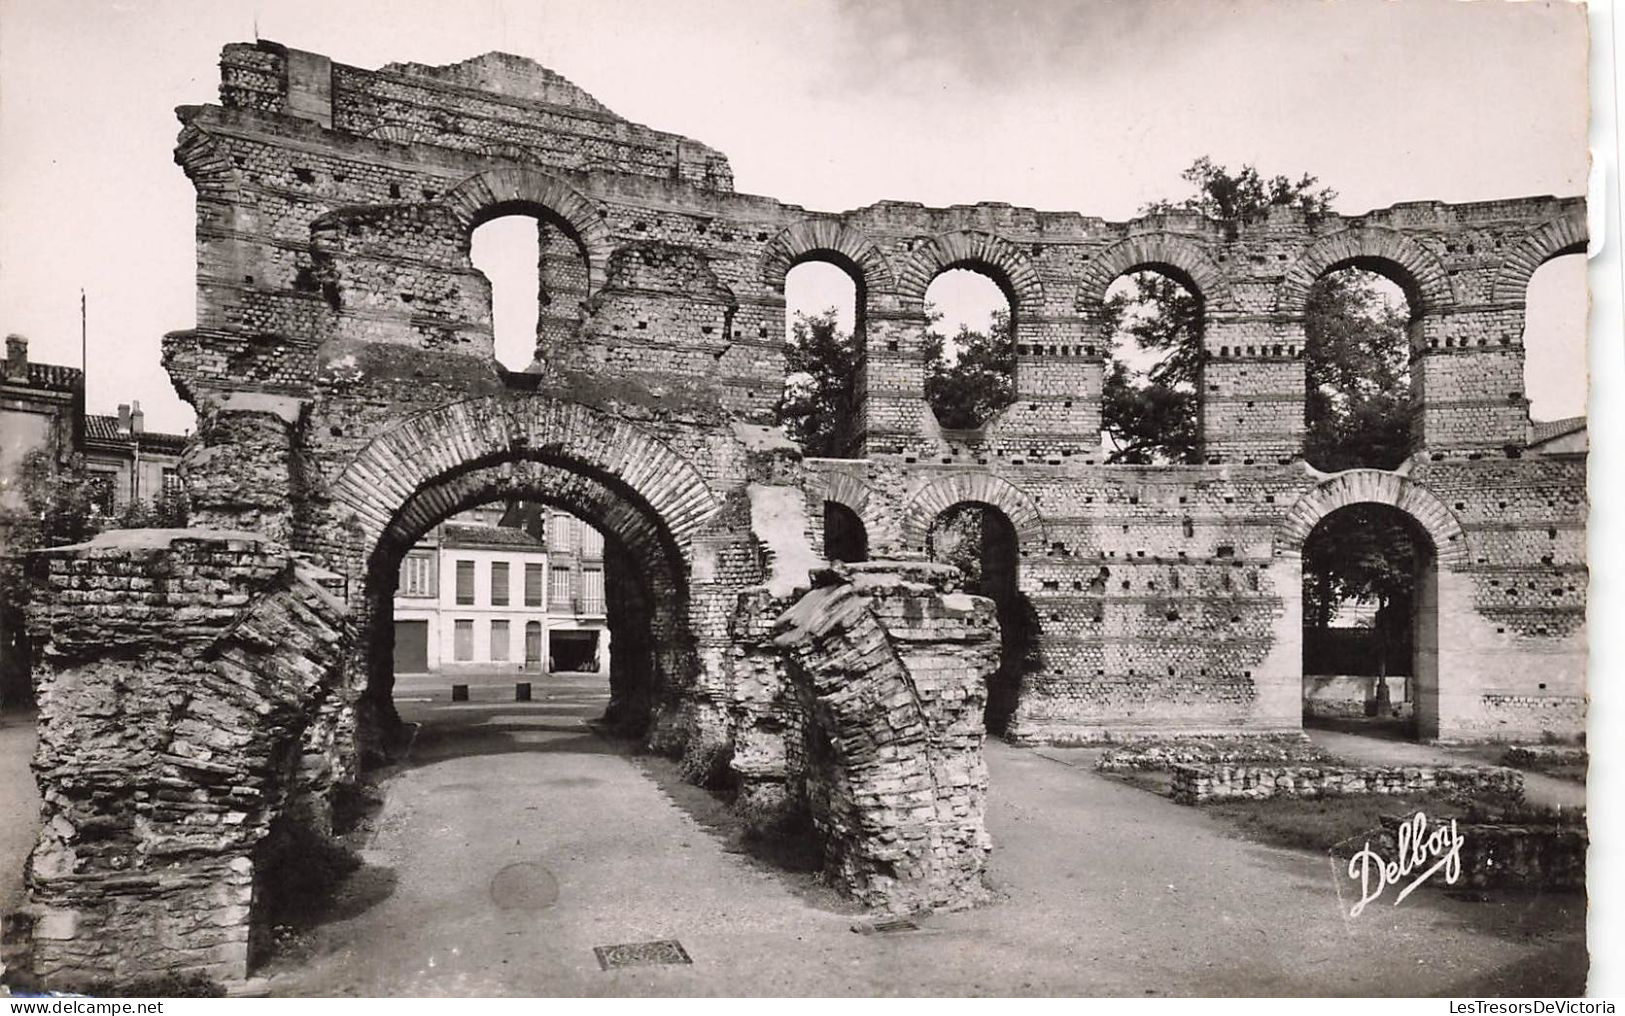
240, 473
181, 673
890, 672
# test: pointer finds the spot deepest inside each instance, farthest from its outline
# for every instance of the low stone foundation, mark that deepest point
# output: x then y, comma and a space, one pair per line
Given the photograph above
1548, 855
1201, 784
1543, 756
1264, 749
188, 682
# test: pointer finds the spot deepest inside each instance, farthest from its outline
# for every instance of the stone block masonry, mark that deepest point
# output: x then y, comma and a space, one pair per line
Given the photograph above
1549, 855
1202, 784
184, 678
335, 210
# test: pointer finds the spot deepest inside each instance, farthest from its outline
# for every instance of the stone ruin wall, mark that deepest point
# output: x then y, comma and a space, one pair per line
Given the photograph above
334, 211
348, 397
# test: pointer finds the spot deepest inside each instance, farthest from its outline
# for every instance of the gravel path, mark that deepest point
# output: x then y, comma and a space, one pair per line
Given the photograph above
518, 840
19, 804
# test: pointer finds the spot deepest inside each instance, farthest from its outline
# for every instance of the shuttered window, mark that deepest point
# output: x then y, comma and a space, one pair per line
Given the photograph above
499, 584
465, 582
592, 590
534, 573
499, 640
462, 646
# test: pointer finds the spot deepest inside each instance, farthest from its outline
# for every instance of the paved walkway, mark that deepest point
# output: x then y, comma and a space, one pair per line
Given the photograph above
518, 840
1538, 788
19, 803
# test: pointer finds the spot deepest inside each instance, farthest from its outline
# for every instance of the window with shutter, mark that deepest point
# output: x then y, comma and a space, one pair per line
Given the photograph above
534, 572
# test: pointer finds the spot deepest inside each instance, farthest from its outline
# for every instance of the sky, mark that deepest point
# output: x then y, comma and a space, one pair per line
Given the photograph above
831, 104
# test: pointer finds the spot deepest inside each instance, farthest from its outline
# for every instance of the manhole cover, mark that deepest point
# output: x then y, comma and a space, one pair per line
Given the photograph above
641, 954
524, 886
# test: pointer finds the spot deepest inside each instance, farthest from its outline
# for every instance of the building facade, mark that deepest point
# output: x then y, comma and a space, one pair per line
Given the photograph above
496, 589
130, 464
41, 405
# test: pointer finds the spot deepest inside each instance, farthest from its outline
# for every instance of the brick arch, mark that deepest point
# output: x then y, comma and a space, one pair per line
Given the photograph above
1374, 486
434, 446
1415, 269
616, 513
1567, 235
939, 495
832, 241
1002, 260
514, 188
401, 133
855, 492
1180, 257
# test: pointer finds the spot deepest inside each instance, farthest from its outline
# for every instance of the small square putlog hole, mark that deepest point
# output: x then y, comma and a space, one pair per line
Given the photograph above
641, 954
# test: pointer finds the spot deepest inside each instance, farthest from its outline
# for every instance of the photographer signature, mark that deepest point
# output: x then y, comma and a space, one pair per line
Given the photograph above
1417, 846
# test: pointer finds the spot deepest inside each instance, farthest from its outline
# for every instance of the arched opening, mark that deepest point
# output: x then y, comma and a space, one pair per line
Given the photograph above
1370, 623
1150, 413
970, 348
1555, 370
823, 327
981, 540
845, 538
538, 271
503, 573
1361, 320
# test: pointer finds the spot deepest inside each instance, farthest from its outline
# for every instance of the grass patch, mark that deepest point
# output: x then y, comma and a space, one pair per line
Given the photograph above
1324, 822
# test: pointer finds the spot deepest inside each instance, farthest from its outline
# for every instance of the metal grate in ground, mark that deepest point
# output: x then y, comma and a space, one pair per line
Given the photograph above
641, 954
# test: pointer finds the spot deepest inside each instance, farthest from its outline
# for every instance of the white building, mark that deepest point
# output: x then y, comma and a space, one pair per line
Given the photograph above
480, 596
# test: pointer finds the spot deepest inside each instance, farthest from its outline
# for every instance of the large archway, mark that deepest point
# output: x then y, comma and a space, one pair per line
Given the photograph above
644, 498
647, 609
1370, 621
983, 542
1439, 690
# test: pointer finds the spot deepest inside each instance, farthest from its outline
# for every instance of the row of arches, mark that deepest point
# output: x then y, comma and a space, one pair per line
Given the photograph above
543, 248
984, 527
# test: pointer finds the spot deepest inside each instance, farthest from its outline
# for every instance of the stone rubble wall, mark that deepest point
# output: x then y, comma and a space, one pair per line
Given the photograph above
1545, 755
883, 675
1550, 857
1252, 750
1202, 784
191, 684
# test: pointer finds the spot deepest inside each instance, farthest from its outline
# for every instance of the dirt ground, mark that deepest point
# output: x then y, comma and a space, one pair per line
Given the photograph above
515, 841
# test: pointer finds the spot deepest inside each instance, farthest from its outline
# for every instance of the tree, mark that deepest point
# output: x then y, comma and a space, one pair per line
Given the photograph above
1152, 417
62, 504
1357, 365
821, 363
973, 377
1246, 194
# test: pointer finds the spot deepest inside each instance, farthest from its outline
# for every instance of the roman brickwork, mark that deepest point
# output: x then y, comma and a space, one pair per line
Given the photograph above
343, 370
343, 358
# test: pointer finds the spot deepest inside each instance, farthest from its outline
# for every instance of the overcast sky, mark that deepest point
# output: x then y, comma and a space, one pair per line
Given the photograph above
1093, 107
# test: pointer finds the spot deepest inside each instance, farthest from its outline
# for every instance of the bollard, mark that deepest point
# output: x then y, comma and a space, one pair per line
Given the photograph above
521, 691
459, 693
